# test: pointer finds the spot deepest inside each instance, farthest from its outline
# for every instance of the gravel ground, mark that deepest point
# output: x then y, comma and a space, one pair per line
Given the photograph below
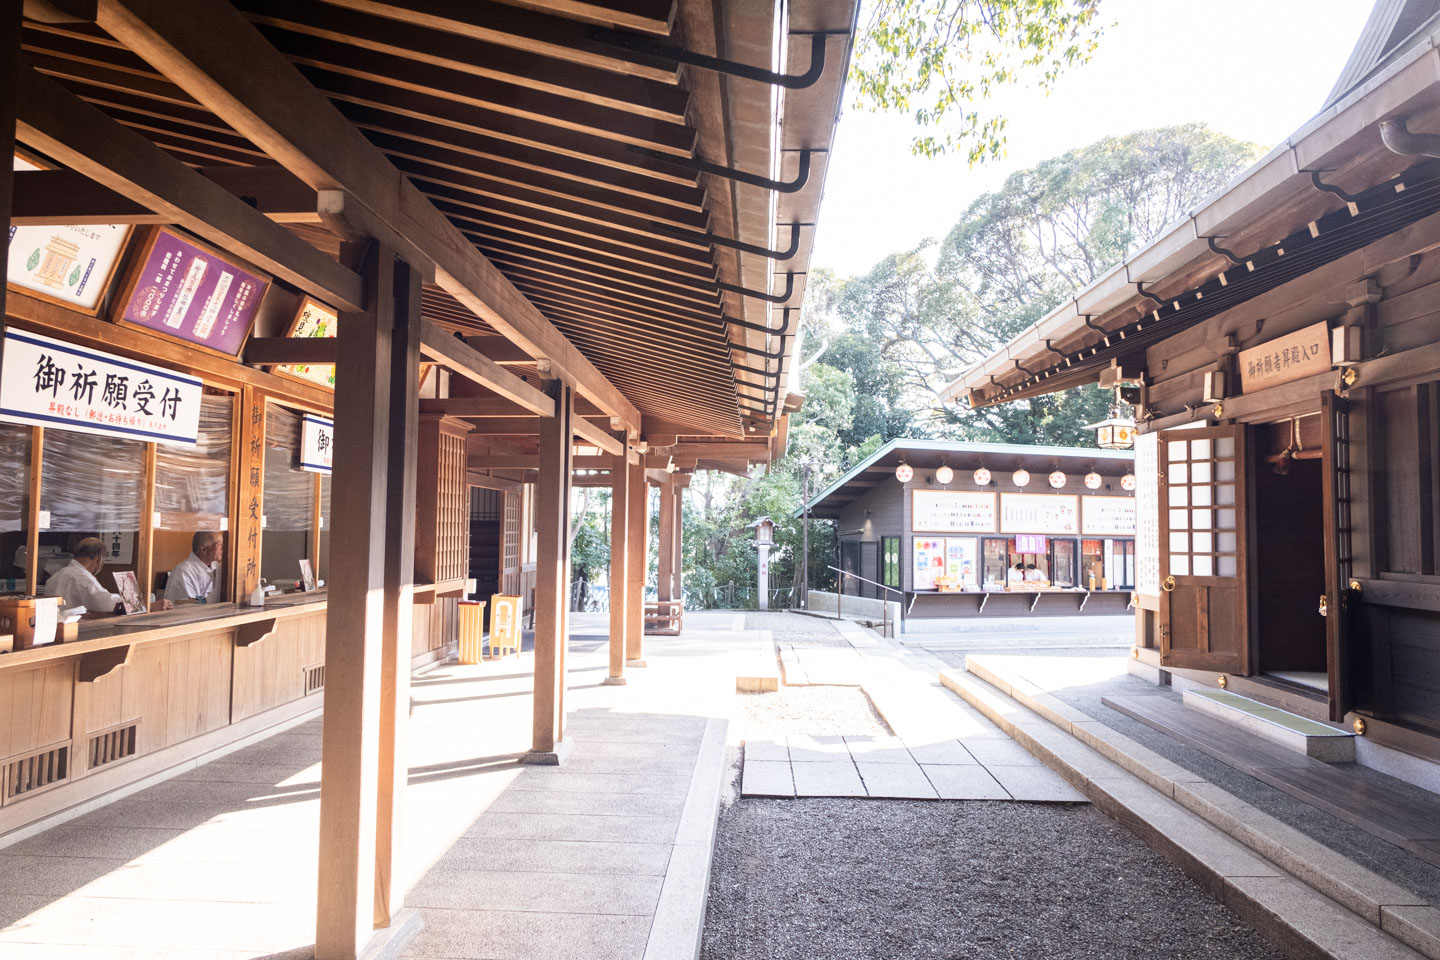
796, 628
810, 711
893, 880
1380, 856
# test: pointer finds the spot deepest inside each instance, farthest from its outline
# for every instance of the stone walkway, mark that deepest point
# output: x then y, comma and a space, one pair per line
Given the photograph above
941, 748
605, 857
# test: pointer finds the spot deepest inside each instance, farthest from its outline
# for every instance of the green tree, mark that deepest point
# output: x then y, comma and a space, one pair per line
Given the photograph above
941, 61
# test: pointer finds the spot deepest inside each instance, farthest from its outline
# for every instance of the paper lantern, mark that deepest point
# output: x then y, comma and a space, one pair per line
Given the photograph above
944, 474
1057, 479
1127, 482
982, 477
904, 473
1021, 477
1092, 480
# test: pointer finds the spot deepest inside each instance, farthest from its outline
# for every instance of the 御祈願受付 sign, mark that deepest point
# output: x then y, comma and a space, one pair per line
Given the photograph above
49, 383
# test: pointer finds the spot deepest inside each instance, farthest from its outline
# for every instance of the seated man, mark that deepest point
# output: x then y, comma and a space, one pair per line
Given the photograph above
194, 579
76, 582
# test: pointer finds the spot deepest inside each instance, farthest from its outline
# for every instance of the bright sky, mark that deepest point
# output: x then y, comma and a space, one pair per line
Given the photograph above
1254, 69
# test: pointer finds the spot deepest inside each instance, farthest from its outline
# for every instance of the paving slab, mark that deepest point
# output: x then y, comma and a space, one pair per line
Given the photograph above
896, 781
831, 778
964, 782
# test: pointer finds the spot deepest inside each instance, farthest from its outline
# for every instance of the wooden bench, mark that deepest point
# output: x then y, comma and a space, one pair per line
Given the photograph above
664, 618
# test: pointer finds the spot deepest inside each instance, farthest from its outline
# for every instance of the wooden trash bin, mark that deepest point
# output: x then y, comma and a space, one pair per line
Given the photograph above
472, 631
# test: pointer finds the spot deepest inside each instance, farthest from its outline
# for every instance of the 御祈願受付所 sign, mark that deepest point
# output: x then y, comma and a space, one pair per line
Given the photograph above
317, 444
49, 383
185, 291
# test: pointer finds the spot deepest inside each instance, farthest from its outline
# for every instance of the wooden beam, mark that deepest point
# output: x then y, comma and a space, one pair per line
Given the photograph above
506, 426
597, 437
500, 350
738, 450
478, 479
216, 56
71, 131
65, 196
461, 358
269, 350
474, 408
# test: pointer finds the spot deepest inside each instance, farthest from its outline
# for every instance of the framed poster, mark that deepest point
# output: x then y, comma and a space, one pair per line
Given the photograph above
69, 264
962, 556
187, 290
952, 511
307, 575
1107, 516
1049, 513
46, 382
129, 589
314, 320
929, 554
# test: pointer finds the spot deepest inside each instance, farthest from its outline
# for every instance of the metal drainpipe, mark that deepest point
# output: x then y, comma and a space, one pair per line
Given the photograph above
1405, 143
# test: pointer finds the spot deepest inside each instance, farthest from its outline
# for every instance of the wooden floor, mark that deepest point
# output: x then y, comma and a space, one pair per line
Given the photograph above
1342, 790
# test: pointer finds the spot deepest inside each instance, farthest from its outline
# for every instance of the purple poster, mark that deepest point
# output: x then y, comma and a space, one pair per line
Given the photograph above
188, 292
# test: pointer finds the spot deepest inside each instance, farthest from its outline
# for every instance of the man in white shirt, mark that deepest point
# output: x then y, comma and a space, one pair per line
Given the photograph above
76, 582
193, 580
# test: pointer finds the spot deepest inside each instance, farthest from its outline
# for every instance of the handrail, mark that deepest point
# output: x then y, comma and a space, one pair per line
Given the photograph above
884, 604
856, 576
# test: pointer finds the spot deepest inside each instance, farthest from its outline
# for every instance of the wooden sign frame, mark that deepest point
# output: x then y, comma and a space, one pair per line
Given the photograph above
100, 302
133, 274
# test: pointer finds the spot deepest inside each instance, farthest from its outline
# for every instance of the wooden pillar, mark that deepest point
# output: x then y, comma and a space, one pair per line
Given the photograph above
10, 19
355, 616
619, 562
677, 563
552, 579
665, 584
398, 629
637, 564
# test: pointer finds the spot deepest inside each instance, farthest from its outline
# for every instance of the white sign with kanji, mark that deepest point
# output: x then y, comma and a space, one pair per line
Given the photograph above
317, 444
49, 383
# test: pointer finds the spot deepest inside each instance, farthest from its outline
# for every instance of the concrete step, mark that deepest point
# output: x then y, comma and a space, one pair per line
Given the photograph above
1306, 898
1301, 734
756, 669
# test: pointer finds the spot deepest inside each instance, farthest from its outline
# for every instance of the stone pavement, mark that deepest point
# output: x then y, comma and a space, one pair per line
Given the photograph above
941, 749
605, 857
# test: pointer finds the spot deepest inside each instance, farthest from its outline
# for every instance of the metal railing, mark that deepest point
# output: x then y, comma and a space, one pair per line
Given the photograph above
884, 602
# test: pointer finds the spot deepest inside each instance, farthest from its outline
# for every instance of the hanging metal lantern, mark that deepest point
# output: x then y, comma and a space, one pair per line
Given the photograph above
1057, 479
904, 473
1092, 480
982, 477
1021, 477
1127, 482
1114, 432
944, 474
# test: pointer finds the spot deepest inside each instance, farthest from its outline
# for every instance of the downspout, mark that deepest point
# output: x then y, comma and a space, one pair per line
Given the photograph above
1407, 144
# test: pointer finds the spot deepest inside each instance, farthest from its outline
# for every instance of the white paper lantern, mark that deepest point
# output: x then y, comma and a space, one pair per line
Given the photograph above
1092, 480
982, 477
1127, 482
1057, 479
1021, 477
904, 473
944, 474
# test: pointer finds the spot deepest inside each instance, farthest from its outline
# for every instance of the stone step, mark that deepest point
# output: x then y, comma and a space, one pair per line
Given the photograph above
1308, 899
1301, 734
756, 670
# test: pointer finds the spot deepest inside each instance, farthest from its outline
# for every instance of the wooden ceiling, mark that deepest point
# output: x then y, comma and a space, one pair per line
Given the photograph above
555, 153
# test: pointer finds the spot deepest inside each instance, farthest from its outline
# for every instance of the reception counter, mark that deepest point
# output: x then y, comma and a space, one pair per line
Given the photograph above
133, 697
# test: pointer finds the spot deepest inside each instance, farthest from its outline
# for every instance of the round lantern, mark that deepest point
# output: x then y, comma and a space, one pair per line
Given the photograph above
1092, 480
944, 474
1021, 477
982, 477
1127, 482
904, 473
1057, 479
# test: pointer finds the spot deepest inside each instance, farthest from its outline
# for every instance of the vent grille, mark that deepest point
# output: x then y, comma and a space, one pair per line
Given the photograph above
112, 745
314, 677
25, 775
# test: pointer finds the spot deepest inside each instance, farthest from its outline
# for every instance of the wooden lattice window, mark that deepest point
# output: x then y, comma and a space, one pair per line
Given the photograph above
35, 771
452, 514
510, 537
314, 677
114, 744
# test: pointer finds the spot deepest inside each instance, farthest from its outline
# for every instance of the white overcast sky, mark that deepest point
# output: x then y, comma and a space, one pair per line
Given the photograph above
1254, 69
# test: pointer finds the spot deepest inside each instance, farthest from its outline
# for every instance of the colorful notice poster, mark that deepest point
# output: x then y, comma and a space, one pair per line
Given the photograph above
317, 444
49, 383
1107, 516
313, 320
1054, 514
962, 560
69, 263
929, 562
188, 292
952, 511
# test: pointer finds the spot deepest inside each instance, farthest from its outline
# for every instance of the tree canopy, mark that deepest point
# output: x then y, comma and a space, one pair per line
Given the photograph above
941, 61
